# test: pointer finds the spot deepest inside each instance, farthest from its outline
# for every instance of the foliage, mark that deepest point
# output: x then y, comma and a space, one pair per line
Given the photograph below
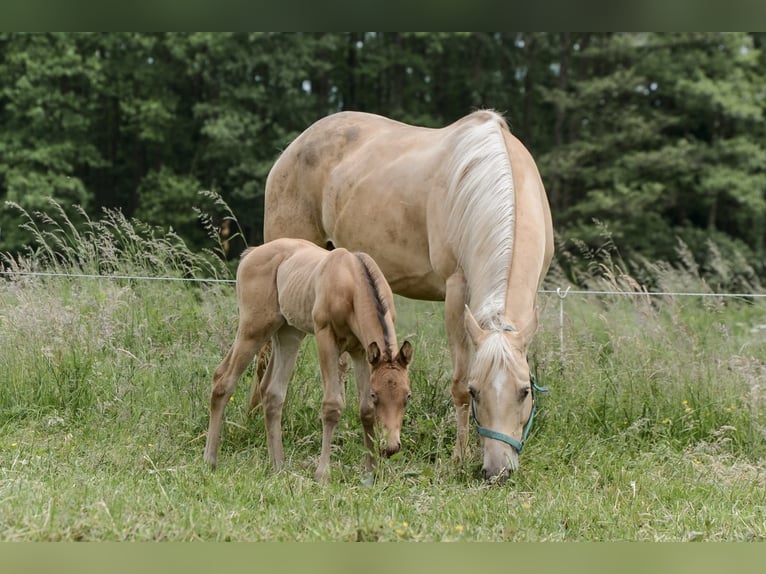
658, 136
664, 139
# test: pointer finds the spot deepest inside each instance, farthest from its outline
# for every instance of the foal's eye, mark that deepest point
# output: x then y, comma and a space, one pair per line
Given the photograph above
407, 400
374, 397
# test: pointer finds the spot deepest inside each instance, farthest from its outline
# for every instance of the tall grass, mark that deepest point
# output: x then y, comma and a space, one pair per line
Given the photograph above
653, 428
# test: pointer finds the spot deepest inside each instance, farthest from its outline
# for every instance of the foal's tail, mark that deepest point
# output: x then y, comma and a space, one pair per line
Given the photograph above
261, 363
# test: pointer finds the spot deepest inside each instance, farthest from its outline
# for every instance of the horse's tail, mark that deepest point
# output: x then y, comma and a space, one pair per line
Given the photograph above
261, 363
246, 251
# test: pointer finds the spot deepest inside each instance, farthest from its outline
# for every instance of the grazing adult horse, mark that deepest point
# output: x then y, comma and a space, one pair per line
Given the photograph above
457, 214
290, 287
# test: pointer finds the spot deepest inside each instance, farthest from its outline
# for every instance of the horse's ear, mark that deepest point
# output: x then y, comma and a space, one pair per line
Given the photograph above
373, 354
404, 356
475, 332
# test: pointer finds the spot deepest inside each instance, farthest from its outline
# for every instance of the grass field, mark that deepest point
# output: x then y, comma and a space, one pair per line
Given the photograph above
653, 428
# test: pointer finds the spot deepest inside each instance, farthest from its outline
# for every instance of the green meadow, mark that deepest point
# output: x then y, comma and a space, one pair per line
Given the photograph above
652, 429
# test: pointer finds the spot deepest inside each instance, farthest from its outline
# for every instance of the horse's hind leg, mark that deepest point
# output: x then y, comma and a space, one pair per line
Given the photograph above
224, 382
284, 352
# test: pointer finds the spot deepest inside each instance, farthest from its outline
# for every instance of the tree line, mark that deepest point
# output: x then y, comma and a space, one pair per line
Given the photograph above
649, 139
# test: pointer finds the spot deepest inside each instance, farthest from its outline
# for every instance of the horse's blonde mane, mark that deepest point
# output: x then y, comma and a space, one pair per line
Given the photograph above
481, 220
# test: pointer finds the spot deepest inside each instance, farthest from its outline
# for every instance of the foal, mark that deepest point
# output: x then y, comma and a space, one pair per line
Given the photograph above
288, 288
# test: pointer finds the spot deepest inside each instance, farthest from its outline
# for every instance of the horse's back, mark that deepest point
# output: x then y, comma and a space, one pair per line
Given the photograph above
272, 254
379, 186
296, 182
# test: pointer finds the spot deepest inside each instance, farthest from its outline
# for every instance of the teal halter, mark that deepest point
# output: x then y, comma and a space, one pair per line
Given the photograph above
488, 433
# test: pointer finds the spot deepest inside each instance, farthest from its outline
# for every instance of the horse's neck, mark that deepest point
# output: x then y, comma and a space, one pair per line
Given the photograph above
521, 304
532, 240
512, 301
528, 264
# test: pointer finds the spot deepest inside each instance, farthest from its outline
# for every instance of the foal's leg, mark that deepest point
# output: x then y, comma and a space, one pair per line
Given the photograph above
366, 408
333, 400
225, 379
285, 346
460, 352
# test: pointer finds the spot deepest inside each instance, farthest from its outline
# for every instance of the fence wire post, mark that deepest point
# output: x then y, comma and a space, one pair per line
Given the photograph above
562, 295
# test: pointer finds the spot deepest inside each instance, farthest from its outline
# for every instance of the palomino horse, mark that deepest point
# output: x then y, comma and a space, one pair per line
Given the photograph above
288, 288
456, 214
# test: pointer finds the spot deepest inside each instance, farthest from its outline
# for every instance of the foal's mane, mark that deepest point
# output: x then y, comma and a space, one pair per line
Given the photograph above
481, 220
378, 287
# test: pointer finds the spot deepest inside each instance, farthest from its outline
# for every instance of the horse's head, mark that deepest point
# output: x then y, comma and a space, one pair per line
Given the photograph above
390, 391
502, 398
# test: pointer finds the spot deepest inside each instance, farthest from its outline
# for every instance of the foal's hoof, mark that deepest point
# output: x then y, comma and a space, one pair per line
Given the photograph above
211, 462
322, 477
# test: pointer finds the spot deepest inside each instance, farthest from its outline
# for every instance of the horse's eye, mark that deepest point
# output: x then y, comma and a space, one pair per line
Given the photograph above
407, 400
525, 392
374, 397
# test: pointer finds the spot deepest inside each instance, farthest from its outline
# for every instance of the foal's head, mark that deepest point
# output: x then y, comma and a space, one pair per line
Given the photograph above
390, 391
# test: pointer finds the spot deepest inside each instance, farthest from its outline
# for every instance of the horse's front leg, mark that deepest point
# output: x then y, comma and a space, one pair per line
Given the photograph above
333, 400
460, 352
224, 382
366, 408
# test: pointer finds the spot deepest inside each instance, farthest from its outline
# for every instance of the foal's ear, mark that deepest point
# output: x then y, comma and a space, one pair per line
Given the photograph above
373, 353
404, 356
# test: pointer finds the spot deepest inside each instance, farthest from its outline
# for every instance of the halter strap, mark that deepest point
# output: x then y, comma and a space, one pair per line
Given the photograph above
509, 328
509, 440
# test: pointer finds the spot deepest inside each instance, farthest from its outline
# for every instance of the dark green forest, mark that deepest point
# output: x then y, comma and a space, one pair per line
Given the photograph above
651, 143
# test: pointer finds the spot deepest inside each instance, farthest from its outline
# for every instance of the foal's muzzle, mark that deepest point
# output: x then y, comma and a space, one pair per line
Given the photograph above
391, 449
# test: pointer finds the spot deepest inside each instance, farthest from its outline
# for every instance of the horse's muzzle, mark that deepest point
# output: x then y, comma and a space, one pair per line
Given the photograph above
496, 476
499, 462
391, 449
